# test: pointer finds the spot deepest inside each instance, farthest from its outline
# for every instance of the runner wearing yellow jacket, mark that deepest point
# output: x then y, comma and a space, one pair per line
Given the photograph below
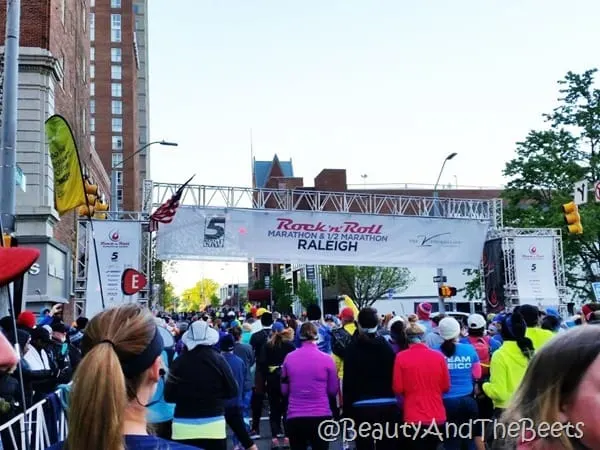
348, 316
509, 362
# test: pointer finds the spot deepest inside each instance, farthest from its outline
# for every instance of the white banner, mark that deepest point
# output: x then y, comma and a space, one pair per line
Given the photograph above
534, 270
321, 238
118, 244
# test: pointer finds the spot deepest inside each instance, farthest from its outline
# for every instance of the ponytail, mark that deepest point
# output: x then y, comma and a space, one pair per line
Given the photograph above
96, 411
517, 327
276, 339
448, 348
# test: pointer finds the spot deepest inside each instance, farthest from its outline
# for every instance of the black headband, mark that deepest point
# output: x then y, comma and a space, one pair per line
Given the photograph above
136, 364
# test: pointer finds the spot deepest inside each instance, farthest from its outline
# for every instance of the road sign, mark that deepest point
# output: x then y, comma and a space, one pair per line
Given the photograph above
132, 281
580, 192
596, 288
597, 190
440, 279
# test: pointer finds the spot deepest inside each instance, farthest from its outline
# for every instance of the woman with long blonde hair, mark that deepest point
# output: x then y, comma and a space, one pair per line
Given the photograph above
558, 401
114, 383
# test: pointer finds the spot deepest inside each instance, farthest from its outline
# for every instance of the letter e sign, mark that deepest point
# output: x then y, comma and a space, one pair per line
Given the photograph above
132, 282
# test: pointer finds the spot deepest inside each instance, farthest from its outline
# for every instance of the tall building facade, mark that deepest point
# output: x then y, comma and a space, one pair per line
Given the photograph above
118, 94
53, 79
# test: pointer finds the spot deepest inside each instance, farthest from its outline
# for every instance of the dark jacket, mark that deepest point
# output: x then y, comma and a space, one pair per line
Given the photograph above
368, 370
259, 339
199, 382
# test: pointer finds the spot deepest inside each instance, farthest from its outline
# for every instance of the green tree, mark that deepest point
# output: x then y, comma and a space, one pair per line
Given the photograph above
215, 301
160, 272
306, 293
548, 163
472, 289
168, 298
199, 296
366, 285
282, 293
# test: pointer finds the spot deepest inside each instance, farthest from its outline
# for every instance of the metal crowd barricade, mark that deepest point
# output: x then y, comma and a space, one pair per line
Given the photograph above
41, 433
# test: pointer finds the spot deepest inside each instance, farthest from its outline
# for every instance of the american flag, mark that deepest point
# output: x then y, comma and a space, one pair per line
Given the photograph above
166, 212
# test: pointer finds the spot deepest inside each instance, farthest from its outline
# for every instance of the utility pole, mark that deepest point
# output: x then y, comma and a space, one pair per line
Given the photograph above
8, 161
440, 282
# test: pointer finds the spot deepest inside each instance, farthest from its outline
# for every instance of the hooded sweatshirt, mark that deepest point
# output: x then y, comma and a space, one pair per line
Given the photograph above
538, 336
339, 362
507, 369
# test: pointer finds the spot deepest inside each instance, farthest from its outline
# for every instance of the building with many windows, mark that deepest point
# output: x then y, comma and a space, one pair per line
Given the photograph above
53, 79
118, 94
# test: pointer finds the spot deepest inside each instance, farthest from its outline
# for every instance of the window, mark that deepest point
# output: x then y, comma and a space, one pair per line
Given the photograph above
84, 69
117, 159
116, 90
117, 107
119, 195
84, 17
92, 71
64, 70
92, 106
92, 124
92, 26
117, 124
117, 142
115, 3
92, 89
92, 53
116, 72
83, 122
63, 11
115, 27
92, 3
93, 141
115, 55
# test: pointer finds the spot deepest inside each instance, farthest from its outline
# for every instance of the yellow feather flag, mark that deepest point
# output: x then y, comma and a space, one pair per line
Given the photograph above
69, 191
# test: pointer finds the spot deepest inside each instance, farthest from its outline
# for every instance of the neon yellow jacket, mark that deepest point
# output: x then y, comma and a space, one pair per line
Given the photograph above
538, 336
507, 369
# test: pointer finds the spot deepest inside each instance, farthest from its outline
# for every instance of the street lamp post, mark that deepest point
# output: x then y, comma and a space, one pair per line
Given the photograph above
113, 173
435, 187
436, 213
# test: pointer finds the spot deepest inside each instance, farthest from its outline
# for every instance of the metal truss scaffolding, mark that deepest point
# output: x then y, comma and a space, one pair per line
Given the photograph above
156, 194
508, 236
83, 257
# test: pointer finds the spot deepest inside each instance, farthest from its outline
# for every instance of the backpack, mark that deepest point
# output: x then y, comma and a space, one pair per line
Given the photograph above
484, 352
340, 339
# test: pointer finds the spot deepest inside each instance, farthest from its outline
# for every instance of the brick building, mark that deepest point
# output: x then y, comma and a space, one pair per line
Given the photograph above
53, 79
119, 103
278, 174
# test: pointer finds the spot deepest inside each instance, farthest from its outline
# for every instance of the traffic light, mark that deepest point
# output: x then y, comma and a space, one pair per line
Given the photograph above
572, 218
91, 192
447, 291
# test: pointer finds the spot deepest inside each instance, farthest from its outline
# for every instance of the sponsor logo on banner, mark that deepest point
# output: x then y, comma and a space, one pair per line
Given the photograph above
113, 235
341, 237
441, 240
214, 232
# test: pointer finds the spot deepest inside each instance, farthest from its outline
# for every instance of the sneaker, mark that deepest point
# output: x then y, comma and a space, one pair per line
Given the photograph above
274, 443
281, 435
254, 435
286, 443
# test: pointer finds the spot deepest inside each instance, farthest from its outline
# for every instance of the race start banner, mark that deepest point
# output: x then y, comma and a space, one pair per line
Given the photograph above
118, 245
534, 270
322, 238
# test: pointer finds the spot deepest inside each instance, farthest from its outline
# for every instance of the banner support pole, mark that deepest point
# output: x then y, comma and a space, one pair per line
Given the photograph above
440, 283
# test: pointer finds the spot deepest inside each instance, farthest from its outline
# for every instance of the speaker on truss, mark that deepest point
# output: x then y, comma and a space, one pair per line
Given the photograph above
493, 275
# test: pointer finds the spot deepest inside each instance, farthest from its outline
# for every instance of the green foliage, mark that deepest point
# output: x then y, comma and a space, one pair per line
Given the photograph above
258, 284
168, 297
199, 296
282, 293
215, 301
366, 285
472, 289
161, 270
306, 293
548, 163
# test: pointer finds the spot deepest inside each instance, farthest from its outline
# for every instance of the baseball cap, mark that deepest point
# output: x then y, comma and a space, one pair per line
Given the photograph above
277, 327
227, 343
260, 312
449, 328
476, 321
347, 313
15, 261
